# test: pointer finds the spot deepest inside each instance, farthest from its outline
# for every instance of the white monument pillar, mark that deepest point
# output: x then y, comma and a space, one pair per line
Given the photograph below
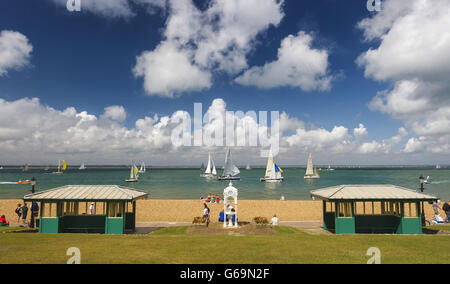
230, 193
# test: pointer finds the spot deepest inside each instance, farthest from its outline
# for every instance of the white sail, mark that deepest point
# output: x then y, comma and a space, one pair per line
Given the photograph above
273, 172
142, 169
235, 171
133, 172
248, 167
309, 167
229, 168
214, 172
208, 167
82, 167
270, 167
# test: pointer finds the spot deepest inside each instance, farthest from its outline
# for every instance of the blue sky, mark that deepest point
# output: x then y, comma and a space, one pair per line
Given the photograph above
85, 60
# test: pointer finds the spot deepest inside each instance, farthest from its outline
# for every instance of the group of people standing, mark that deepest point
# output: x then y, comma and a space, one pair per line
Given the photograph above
211, 198
22, 213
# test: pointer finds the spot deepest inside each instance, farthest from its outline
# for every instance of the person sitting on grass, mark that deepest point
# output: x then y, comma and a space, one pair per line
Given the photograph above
438, 220
3, 220
274, 221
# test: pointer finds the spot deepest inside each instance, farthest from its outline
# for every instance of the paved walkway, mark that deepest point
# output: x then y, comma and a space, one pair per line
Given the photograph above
311, 227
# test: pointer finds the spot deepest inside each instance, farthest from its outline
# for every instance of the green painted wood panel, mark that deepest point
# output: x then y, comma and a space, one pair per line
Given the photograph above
345, 225
114, 226
49, 225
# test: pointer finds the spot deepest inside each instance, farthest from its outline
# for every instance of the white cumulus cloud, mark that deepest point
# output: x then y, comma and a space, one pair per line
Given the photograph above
412, 53
15, 51
298, 65
197, 43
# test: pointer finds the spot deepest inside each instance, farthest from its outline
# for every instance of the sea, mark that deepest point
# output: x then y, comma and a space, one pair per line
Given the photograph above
185, 183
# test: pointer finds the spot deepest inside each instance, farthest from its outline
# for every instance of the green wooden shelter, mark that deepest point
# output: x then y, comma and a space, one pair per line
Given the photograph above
104, 209
349, 209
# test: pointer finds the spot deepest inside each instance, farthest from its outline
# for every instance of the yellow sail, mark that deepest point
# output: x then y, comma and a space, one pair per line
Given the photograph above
64, 167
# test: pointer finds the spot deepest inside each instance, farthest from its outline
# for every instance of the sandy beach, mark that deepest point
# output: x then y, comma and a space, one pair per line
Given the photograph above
186, 210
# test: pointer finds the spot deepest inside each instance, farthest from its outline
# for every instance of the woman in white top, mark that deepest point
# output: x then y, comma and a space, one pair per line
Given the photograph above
274, 221
205, 210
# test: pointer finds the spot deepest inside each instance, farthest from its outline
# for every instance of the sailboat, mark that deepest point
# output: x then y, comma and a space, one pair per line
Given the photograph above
311, 173
134, 174
25, 169
1, 167
210, 171
230, 171
82, 167
273, 171
438, 167
61, 169
142, 169
329, 168
248, 168
46, 168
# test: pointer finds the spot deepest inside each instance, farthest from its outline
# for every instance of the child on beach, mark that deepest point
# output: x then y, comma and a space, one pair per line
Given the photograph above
217, 198
3, 220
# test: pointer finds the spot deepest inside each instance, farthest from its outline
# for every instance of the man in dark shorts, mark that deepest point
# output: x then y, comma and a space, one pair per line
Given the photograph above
34, 213
446, 208
24, 213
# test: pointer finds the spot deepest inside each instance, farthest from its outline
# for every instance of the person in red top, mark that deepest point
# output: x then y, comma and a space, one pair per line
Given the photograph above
3, 219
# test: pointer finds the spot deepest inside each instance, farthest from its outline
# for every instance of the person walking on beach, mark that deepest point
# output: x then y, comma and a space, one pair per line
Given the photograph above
446, 208
18, 212
205, 211
24, 213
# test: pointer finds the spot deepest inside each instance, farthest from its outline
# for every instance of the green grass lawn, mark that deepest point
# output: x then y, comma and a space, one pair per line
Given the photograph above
173, 245
13, 229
